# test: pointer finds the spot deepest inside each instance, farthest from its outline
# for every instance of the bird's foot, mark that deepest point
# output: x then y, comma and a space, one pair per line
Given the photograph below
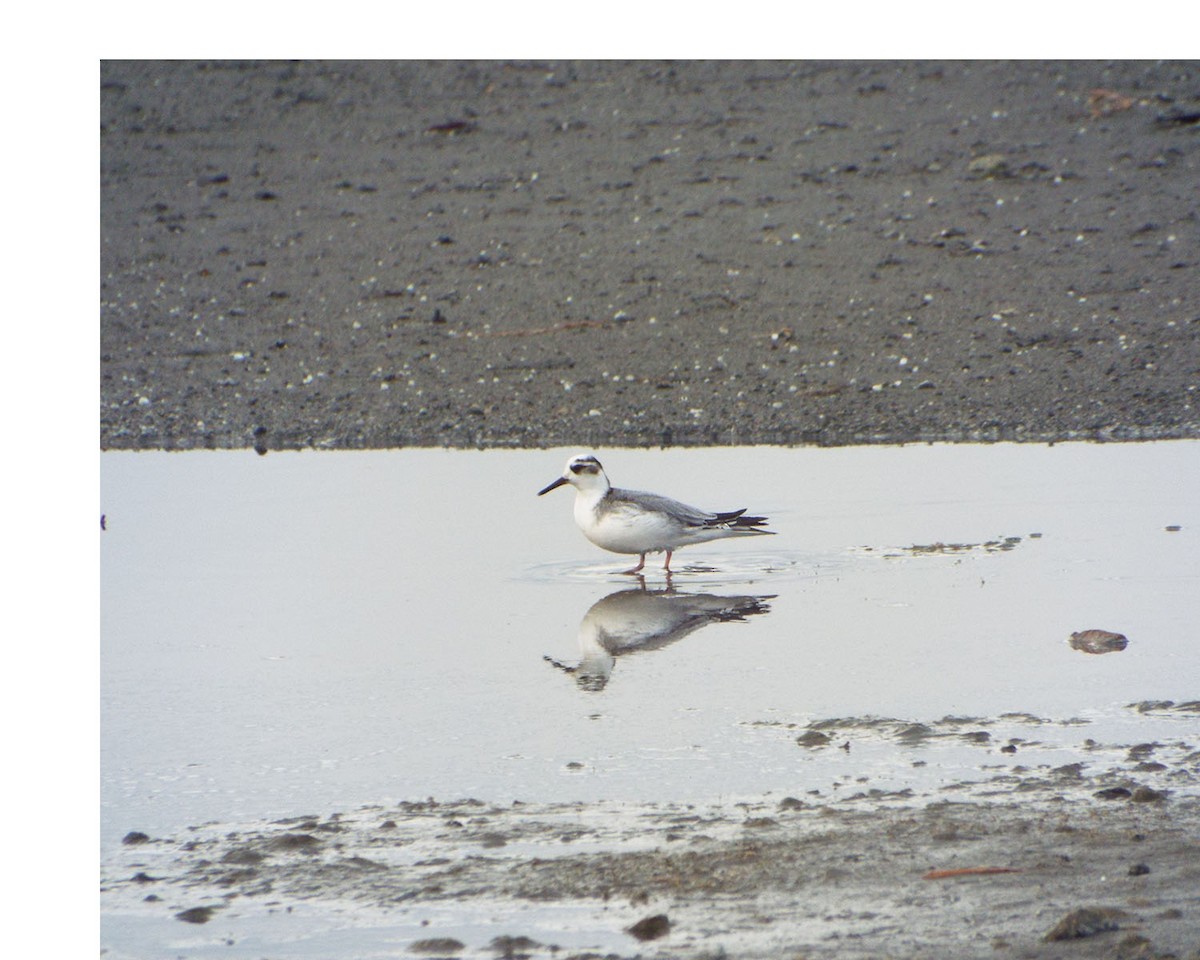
638, 568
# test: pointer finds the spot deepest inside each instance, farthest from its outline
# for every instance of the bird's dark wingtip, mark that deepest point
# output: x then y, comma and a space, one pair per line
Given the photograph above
736, 520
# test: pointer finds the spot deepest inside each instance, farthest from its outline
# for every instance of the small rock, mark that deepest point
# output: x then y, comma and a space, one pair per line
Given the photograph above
989, 165
1136, 947
196, 914
1146, 795
1085, 922
1139, 870
1113, 793
1098, 641
813, 738
436, 945
135, 836
295, 841
513, 948
915, 733
651, 928
242, 855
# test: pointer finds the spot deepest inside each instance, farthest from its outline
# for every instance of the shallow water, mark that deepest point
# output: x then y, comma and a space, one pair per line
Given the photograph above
306, 632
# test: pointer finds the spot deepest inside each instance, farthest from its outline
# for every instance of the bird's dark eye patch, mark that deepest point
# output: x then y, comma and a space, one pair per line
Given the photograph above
577, 468
585, 466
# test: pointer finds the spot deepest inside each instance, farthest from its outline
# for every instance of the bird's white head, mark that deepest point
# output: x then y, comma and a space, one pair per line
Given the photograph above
583, 471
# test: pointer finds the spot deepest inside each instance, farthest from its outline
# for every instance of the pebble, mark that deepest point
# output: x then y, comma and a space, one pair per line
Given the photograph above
1098, 641
651, 928
1085, 922
442, 945
196, 914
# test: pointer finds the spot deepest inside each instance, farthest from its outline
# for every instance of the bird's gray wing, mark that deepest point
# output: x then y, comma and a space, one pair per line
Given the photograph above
689, 516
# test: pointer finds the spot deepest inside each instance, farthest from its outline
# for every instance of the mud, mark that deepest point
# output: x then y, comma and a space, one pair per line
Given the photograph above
1036, 862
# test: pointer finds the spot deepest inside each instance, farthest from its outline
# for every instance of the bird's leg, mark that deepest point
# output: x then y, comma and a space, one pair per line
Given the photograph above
667, 562
641, 563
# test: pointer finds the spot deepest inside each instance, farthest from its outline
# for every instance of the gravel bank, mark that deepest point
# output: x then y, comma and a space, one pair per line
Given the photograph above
352, 255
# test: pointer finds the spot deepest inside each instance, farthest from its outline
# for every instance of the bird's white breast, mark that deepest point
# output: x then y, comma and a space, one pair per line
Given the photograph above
621, 528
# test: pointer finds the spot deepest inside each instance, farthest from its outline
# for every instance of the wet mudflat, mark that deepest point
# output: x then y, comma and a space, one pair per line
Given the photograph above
376, 702
1047, 871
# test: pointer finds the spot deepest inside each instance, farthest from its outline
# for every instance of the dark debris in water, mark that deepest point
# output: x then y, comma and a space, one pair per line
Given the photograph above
1158, 706
951, 549
997, 545
909, 732
1175, 766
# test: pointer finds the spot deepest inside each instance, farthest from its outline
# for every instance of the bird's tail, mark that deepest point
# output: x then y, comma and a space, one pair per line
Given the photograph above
737, 521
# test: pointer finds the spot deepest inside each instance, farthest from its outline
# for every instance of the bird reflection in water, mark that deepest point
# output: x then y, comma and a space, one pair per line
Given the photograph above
630, 621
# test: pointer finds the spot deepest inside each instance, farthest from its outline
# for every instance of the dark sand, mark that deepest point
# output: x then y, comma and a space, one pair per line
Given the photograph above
355, 255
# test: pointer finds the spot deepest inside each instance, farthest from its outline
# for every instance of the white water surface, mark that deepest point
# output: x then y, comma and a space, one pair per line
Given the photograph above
309, 632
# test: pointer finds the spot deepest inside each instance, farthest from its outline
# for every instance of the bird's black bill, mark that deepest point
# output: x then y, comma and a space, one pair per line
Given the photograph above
557, 483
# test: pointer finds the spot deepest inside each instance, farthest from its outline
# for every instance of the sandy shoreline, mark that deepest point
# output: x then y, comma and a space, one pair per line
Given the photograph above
349, 255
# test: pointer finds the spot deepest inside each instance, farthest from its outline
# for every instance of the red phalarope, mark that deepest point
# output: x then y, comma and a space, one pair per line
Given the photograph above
629, 521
